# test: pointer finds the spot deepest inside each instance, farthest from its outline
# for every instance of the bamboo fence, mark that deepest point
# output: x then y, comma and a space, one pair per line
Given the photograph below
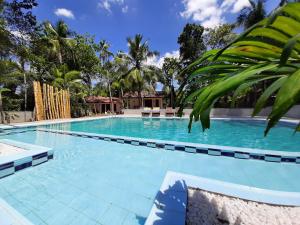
51, 103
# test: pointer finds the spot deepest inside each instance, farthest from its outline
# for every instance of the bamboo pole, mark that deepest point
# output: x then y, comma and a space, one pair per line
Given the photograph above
38, 101
69, 104
45, 102
51, 103
56, 102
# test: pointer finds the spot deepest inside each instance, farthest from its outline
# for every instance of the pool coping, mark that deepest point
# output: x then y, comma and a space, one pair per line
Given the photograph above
10, 216
171, 200
213, 150
34, 156
58, 121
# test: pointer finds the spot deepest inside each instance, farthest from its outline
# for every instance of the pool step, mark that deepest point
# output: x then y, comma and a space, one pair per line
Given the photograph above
32, 155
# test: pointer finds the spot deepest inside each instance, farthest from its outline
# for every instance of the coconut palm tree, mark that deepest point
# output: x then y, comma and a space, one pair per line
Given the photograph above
107, 70
64, 79
140, 74
58, 37
253, 14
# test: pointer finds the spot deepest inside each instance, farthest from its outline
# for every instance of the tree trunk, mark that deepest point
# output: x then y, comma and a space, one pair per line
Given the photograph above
172, 97
140, 97
60, 57
111, 101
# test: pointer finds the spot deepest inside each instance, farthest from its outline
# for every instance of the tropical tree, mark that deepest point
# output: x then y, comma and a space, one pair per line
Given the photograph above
58, 37
10, 79
191, 41
107, 68
267, 51
219, 36
170, 70
85, 59
253, 14
2, 116
140, 75
64, 79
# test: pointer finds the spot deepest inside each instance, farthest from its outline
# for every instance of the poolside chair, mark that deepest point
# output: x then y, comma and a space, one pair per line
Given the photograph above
155, 112
169, 112
146, 112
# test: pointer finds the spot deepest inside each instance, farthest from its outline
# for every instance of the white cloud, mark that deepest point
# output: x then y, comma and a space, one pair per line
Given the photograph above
239, 5
211, 13
65, 13
107, 4
158, 61
125, 9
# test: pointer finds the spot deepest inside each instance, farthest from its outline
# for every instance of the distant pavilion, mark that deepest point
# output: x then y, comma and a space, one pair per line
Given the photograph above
153, 99
103, 105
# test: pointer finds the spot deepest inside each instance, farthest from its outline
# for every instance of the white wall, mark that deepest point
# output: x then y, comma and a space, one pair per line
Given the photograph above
19, 116
228, 112
217, 112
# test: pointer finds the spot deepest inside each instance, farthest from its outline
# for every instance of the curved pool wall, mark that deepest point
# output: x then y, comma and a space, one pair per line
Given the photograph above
246, 133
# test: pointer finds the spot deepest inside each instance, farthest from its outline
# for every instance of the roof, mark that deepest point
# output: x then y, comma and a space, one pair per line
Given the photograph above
101, 99
145, 94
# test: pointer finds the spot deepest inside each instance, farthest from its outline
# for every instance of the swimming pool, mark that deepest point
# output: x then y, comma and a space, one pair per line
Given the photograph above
98, 182
237, 133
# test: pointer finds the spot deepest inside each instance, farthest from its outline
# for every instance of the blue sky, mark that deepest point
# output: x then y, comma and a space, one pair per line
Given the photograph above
160, 21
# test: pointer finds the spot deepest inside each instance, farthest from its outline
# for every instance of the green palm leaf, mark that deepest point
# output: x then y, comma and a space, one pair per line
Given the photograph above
269, 50
288, 95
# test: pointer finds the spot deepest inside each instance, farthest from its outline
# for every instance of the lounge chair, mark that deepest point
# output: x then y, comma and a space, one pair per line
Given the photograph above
146, 112
169, 112
155, 112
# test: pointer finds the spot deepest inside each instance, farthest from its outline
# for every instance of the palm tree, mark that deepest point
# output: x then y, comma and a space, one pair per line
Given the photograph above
105, 54
139, 73
106, 67
253, 14
58, 38
64, 79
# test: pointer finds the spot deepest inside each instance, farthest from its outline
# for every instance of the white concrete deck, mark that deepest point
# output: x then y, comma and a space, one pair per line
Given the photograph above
8, 150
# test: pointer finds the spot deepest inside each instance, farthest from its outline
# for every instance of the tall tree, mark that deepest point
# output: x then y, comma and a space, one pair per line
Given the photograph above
20, 26
107, 68
139, 74
219, 36
170, 70
58, 37
253, 14
191, 43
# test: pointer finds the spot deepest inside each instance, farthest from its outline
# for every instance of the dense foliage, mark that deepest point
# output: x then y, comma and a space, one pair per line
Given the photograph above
259, 66
266, 53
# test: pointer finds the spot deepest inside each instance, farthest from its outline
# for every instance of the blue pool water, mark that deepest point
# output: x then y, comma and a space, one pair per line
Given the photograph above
97, 182
237, 133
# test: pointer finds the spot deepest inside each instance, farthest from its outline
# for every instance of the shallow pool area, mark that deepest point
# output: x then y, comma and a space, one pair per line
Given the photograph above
237, 133
98, 182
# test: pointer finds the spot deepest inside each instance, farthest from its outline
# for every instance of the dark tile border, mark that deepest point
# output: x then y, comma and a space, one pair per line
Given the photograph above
17, 164
186, 148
